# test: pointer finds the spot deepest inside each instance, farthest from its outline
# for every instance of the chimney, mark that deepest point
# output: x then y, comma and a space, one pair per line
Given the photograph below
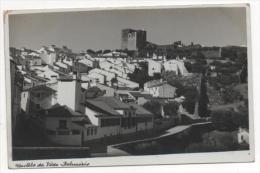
74, 75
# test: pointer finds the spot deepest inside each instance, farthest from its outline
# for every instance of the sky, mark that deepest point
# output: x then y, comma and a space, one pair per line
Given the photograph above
102, 29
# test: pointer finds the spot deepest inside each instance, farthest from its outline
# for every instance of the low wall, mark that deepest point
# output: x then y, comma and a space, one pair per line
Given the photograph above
116, 152
71, 140
163, 124
157, 145
38, 153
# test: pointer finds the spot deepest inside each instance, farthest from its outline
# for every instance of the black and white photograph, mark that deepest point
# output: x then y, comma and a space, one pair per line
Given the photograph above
130, 83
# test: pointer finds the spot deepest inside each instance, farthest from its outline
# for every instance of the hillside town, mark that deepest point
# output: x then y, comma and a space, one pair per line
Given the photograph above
101, 98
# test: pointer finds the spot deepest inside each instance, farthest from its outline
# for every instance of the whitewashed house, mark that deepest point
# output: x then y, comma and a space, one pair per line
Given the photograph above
144, 118
108, 74
50, 75
70, 93
48, 56
160, 89
68, 62
59, 65
176, 66
243, 136
37, 98
33, 61
154, 67
98, 78
122, 82
113, 117
63, 125
88, 62
75, 119
16, 88
108, 91
118, 69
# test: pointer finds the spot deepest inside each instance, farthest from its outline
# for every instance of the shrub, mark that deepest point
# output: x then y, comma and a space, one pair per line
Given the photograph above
228, 119
222, 120
154, 107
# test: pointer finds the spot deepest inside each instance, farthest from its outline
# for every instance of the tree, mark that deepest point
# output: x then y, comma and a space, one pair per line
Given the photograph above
191, 96
94, 92
203, 99
154, 107
188, 66
228, 119
200, 56
243, 74
229, 95
222, 120
141, 75
171, 108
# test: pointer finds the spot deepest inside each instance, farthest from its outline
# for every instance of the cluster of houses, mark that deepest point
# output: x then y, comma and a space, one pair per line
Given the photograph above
58, 88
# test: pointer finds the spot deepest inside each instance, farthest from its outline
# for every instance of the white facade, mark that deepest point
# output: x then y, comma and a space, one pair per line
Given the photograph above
69, 93
109, 91
243, 136
96, 77
66, 136
87, 62
36, 99
154, 67
127, 83
50, 75
162, 91
176, 66
47, 56
109, 75
35, 61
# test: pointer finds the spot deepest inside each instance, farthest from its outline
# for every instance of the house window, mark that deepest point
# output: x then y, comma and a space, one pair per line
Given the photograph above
38, 95
91, 131
87, 131
38, 106
63, 124
95, 131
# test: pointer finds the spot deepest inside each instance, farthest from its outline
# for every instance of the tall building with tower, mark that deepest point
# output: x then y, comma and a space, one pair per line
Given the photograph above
133, 40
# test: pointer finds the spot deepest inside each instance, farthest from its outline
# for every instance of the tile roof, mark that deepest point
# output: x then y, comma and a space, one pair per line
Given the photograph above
140, 111
40, 87
101, 107
82, 122
58, 110
152, 83
113, 102
107, 106
139, 94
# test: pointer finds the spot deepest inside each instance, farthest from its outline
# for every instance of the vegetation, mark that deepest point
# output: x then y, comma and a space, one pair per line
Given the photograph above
171, 108
191, 96
229, 120
140, 75
94, 92
154, 107
203, 99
